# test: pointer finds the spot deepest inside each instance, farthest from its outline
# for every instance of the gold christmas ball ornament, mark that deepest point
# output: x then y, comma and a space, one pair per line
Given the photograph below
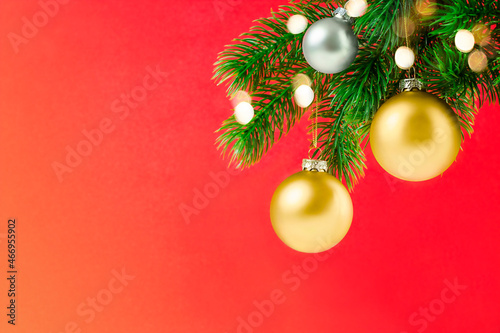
311, 211
415, 136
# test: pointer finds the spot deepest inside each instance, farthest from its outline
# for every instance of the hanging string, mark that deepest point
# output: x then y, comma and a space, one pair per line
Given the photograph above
407, 35
314, 115
405, 23
414, 72
315, 135
406, 19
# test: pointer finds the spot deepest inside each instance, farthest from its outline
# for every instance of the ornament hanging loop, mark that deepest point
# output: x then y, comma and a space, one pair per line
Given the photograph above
315, 129
314, 148
414, 72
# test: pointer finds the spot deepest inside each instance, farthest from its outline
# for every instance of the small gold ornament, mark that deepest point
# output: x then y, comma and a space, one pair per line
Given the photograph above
415, 136
311, 211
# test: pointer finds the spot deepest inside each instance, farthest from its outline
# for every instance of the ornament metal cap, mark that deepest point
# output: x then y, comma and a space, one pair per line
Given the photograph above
342, 13
314, 165
410, 84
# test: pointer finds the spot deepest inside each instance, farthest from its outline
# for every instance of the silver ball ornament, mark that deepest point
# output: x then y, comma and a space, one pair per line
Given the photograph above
330, 45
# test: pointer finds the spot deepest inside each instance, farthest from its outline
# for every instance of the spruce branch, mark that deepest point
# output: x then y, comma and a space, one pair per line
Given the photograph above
340, 144
496, 74
453, 15
275, 113
363, 89
446, 74
265, 60
267, 45
376, 25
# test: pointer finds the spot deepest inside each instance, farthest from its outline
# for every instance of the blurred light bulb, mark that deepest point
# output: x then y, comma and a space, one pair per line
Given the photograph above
243, 112
299, 80
478, 61
356, 8
304, 96
405, 58
426, 7
464, 41
297, 24
240, 96
482, 34
404, 27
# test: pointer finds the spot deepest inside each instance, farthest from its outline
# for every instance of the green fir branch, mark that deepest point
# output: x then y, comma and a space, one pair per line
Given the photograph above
275, 113
252, 57
362, 89
446, 74
496, 74
376, 26
265, 60
453, 15
340, 144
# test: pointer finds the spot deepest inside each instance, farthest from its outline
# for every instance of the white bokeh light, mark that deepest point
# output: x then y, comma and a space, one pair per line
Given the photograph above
405, 58
356, 8
297, 24
478, 61
300, 79
464, 41
240, 96
304, 96
243, 112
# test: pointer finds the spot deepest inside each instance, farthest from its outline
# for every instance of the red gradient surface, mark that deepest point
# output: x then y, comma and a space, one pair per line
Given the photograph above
103, 247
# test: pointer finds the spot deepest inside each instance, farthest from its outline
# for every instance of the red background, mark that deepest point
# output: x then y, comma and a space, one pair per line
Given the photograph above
120, 207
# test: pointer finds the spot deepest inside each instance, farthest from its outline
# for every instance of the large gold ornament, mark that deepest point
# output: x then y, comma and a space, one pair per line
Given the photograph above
415, 136
311, 211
